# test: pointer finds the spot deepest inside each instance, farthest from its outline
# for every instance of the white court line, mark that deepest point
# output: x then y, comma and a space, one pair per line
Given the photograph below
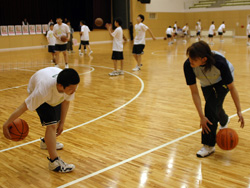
15, 87
131, 100
24, 69
135, 157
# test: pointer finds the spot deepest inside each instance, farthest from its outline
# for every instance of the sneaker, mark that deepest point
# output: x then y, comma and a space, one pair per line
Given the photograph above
184, 41
56, 65
66, 65
58, 165
114, 73
44, 146
205, 151
136, 68
85, 51
81, 54
225, 126
169, 43
69, 52
221, 41
248, 44
121, 72
80, 51
90, 52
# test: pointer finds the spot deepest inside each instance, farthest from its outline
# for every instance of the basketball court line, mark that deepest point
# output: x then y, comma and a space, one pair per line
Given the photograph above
136, 156
122, 106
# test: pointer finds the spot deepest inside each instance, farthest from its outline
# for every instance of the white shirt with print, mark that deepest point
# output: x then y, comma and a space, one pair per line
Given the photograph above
61, 30
140, 30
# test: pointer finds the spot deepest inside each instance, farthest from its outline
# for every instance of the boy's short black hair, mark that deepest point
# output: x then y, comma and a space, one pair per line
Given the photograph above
68, 77
83, 22
142, 17
119, 21
51, 24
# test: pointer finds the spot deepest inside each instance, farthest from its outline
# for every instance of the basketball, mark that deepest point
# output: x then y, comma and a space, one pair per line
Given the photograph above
98, 22
64, 38
227, 139
19, 129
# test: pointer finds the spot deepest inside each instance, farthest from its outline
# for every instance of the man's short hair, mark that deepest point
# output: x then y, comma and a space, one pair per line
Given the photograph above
68, 77
119, 21
142, 17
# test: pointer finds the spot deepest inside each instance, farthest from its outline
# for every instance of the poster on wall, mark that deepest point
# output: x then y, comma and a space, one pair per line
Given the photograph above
38, 29
32, 29
4, 31
11, 30
25, 29
18, 29
45, 28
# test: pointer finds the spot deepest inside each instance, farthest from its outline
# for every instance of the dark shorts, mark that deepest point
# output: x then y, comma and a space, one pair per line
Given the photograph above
210, 36
84, 42
198, 33
117, 55
220, 33
248, 36
51, 49
169, 36
60, 47
138, 49
49, 115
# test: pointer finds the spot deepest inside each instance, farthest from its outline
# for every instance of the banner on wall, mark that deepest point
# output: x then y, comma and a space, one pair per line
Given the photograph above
38, 29
11, 30
25, 29
18, 29
4, 30
32, 29
45, 28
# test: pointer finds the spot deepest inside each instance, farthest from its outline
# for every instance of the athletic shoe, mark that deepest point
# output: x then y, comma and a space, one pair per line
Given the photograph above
205, 151
90, 52
85, 51
184, 41
44, 146
248, 44
225, 126
174, 40
121, 72
221, 41
56, 65
136, 68
58, 165
114, 73
81, 54
169, 43
66, 65
80, 51
69, 52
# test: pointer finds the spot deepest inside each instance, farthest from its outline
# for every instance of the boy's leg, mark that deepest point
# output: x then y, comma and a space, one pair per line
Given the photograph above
65, 57
50, 140
115, 65
57, 57
138, 60
122, 65
89, 48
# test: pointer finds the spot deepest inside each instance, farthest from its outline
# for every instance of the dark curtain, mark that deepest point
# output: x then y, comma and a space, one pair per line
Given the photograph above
102, 9
41, 11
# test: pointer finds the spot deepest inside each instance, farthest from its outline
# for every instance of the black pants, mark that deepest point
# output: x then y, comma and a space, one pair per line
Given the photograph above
214, 96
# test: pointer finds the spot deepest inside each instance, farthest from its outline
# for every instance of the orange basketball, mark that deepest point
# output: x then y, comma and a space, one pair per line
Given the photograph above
64, 38
19, 129
98, 22
227, 139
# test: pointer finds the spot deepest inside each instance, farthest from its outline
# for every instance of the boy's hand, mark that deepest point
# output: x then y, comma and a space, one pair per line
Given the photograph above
6, 132
59, 129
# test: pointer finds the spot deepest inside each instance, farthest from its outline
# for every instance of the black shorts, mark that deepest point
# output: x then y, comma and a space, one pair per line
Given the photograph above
117, 55
84, 42
51, 49
169, 36
60, 47
248, 36
198, 33
49, 115
210, 36
138, 49
220, 33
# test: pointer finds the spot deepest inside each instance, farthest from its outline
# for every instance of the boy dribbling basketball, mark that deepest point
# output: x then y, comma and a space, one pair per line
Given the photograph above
50, 91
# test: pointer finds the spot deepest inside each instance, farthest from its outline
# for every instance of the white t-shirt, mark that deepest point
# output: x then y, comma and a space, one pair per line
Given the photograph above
199, 23
169, 31
175, 25
118, 39
221, 28
140, 30
185, 29
42, 88
85, 35
51, 38
198, 28
211, 29
248, 29
61, 30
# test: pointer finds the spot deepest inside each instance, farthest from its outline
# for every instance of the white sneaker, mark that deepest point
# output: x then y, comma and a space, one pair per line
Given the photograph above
90, 52
169, 43
205, 151
81, 54
80, 51
221, 41
121, 72
136, 68
44, 146
114, 73
184, 41
85, 51
66, 65
225, 126
69, 52
56, 65
248, 44
174, 40
58, 165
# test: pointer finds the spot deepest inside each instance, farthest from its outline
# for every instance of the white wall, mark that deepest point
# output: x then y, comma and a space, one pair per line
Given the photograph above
166, 6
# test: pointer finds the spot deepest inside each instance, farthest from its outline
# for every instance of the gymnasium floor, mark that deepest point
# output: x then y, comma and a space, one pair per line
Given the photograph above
133, 131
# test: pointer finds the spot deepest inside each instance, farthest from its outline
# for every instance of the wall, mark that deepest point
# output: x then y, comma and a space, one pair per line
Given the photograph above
165, 6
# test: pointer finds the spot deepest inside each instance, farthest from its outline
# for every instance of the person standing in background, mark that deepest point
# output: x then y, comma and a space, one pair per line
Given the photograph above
70, 42
221, 30
131, 31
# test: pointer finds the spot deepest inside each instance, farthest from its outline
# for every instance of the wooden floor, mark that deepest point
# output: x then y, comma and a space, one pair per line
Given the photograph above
133, 131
